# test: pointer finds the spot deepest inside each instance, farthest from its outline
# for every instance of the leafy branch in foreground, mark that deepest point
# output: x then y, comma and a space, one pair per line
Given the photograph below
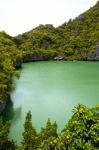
81, 132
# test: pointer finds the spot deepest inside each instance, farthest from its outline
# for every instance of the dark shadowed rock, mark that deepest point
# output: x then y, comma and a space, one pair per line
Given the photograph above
97, 53
76, 31
2, 105
33, 58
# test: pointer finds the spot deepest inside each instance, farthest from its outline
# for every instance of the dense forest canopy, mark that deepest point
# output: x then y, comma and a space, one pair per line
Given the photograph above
76, 39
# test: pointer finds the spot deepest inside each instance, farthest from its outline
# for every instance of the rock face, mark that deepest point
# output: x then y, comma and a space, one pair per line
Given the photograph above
33, 58
59, 58
97, 53
2, 106
95, 56
92, 58
18, 65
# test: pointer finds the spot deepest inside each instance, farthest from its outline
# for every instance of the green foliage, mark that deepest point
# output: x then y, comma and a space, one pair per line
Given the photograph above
5, 142
10, 57
81, 132
76, 40
29, 135
46, 138
43, 140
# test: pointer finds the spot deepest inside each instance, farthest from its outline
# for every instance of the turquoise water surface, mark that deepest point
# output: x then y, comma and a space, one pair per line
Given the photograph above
51, 89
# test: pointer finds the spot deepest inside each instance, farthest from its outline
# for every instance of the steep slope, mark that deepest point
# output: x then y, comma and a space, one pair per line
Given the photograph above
40, 43
77, 39
83, 34
10, 57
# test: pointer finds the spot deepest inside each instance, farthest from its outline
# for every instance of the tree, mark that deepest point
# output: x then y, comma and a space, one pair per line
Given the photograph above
47, 136
5, 142
82, 131
29, 134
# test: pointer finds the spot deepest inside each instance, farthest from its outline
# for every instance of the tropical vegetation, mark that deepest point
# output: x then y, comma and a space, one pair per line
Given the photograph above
80, 133
76, 39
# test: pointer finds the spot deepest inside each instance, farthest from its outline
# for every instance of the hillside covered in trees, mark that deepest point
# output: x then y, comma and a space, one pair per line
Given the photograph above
76, 39
10, 57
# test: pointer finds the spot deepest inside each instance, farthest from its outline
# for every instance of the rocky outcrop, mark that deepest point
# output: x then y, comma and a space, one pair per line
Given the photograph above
2, 105
59, 58
95, 55
18, 65
33, 58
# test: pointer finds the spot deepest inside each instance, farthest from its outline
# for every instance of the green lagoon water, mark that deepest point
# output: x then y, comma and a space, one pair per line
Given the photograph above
51, 89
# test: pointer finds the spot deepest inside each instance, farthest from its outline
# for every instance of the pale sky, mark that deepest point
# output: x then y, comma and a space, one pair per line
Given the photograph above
19, 16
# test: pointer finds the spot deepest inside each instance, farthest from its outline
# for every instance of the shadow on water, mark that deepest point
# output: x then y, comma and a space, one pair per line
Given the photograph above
11, 113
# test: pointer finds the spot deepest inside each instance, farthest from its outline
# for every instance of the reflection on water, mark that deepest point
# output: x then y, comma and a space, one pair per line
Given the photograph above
14, 116
17, 114
11, 113
8, 113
